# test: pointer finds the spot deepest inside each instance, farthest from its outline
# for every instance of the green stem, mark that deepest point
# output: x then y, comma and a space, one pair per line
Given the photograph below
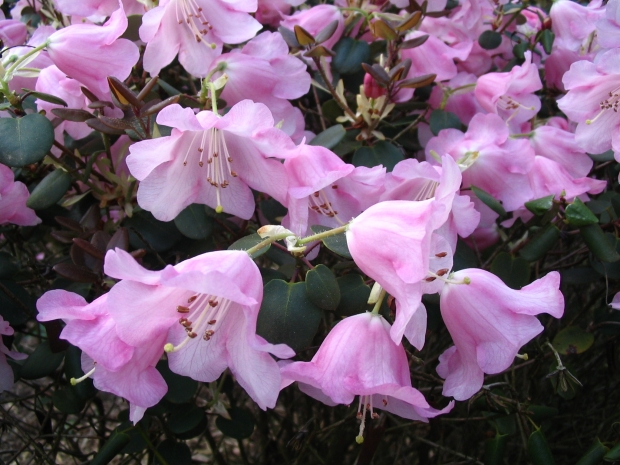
377, 307
21, 59
323, 235
266, 242
213, 98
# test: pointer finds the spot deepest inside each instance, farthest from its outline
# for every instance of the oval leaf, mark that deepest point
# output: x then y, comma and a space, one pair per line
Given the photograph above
540, 244
489, 201
538, 449
240, 425
441, 119
382, 153
247, 242
490, 40
25, 140
50, 190
330, 137
350, 54
193, 222
41, 362
336, 243
578, 214
573, 340
354, 294
322, 288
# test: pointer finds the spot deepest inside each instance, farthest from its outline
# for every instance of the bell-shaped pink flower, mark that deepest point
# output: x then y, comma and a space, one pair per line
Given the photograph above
608, 28
592, 102
489, 323
91, 53
206, 309
359, 358
12, 32
13, 196
195, 30
574, 24
210, 160
6, 373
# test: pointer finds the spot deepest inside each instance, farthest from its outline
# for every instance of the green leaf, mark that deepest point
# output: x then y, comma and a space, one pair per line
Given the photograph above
111, 448
594, 455
181, 389
67, 400
50, 190
540, 206
330, 137
145, 232
538, 449
515, 272
354, 294
133, 25
599, 244
613, 454
247, 242
8, 265
464, 257
187, 421
541, 243
578, 214
490, 40
573, 340
46, 97
441, 119
494, 450
25, 140
350, 54
287, 315
519, 50
542, 412
382, 153
41, 362
16, 304
240, 425
336, 243
322, 288
73, 369
173, 452
489, 201
546, 40
193, 222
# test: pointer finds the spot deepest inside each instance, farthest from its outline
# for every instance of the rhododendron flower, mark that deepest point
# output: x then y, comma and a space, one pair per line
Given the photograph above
13, 196
359, 358
91, 53
459, 95
6, 373
211, 160
195, 30
97, 8
574, 24
608, 28
489, 323
486, 155
511, 95
116, 367
206, 308
592, 102
12, 32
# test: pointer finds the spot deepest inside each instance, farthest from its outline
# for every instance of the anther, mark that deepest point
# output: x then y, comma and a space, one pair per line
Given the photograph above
182, 309
442, 272
430, 279
192, 335
191, 299
441, 254
201, 164
212, 322
213, 303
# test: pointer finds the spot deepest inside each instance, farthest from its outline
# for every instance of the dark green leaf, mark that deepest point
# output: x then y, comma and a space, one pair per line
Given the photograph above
489, 201
50, 190
464, 257
541, 243
273, 210
173, 452
193, 222
599, 244
594, 455
41, 362
187, 421
573, 340
330, 137
25, 140
111, 448
540, 206
240, 425
146, 232
538, 449
515, 272
16, 304
336, 243
577, 214
382, 153
490, 40
542, 412
67, 400
441, 119
519, 50
322, 288
287, 316
494, 450
8, 265
73, 369
181, 389
354, 294
350, 54
247, 242
546, 40
613, 454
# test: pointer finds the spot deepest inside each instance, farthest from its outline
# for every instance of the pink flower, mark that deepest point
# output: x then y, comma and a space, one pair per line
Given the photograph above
211, 160
271, 12
206, 308
608, 29
97, 8
574, 24
116, 367
12, 32
460, 97
510, 95
314, 21
13, 196
91, 53
485, 154
6, 373
592, 101
195, 30
489, 323
358, 358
